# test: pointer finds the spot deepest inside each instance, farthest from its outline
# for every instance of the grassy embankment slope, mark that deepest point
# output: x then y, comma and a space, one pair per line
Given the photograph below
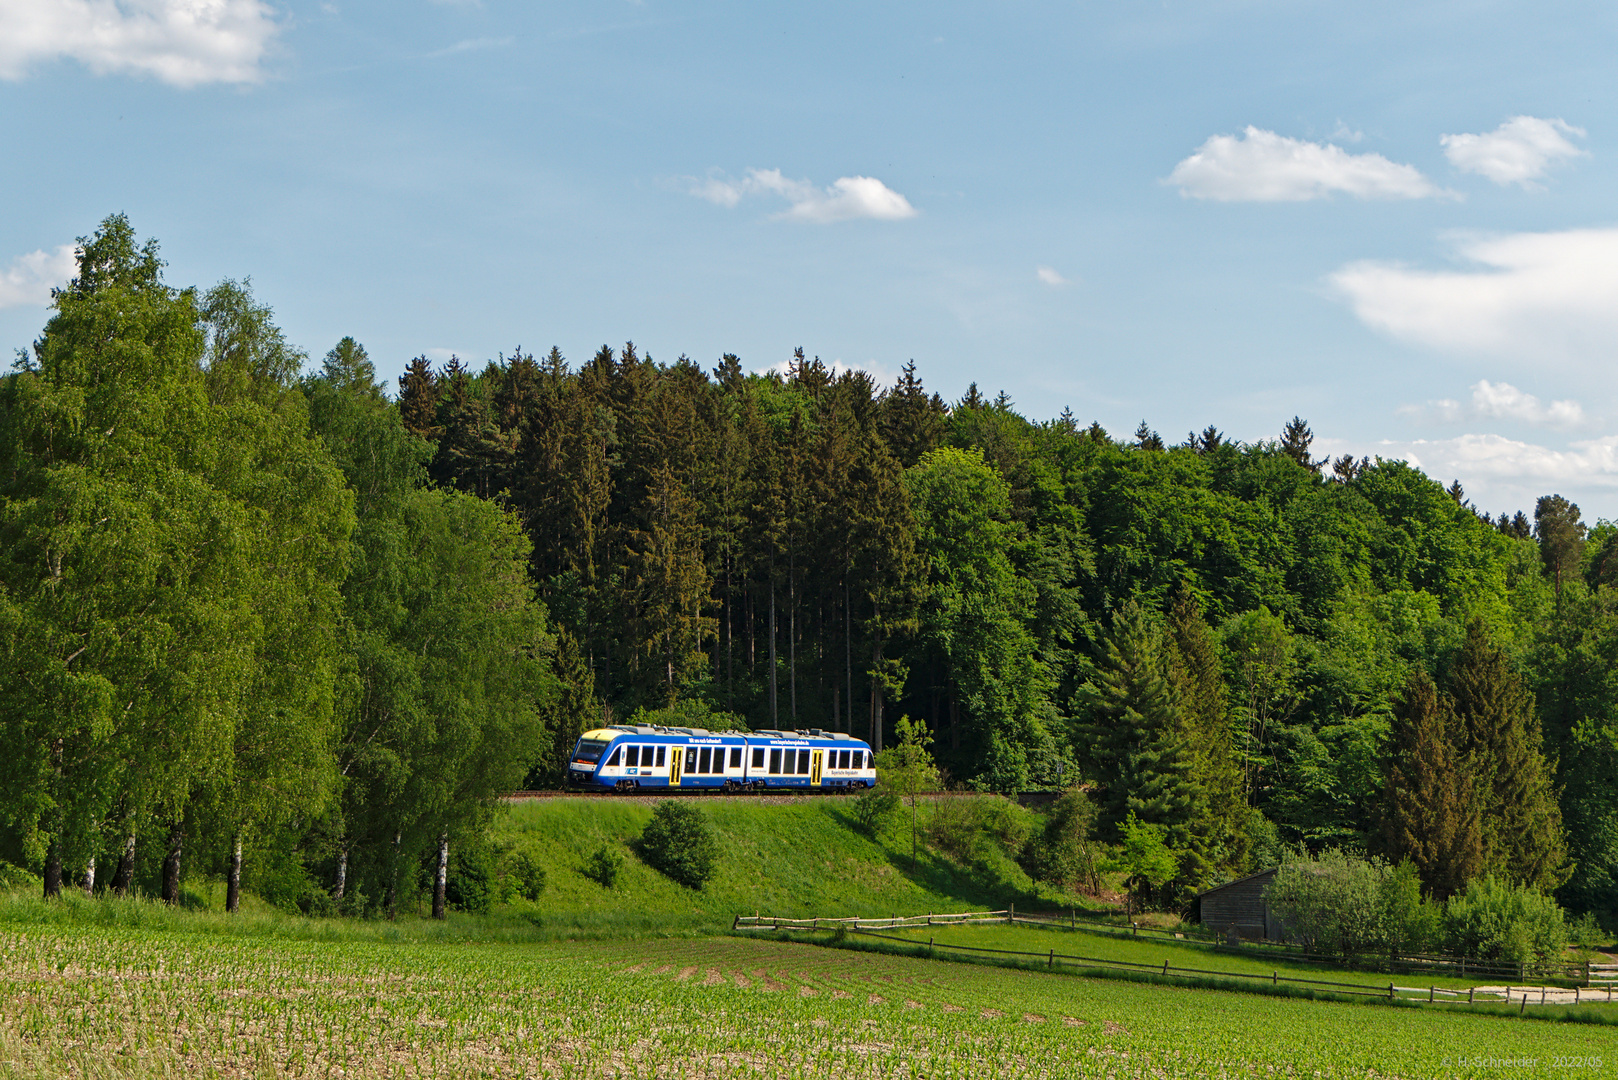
802, 857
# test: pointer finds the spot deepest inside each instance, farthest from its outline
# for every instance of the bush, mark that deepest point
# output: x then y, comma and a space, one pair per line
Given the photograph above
1003, 820
1144, 857
603, 866
522, 876
471, 878
953, 829
1494, 920
1409, 923
679, 842
1331, 903
873, 809
1064, 852
1342, 904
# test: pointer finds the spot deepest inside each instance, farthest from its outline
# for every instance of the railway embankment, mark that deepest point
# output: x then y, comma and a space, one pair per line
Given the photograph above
777, 854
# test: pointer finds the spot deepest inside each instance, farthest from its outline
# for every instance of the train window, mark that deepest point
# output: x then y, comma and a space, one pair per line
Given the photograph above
659, 757
758, 757
735, 757
803, 762
614, 759
632, 757
842, 760
775, 762
702, 767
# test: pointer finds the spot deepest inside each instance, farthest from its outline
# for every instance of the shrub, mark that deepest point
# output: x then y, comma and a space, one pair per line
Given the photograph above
873, 809
1144, 857
953, 829
1064, 852
522, 876
679, 842
1003, 820
470, 882
603, 866
1409, 923
1495, 920
1331, 903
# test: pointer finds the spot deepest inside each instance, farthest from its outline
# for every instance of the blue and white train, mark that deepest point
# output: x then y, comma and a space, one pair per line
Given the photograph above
638, 758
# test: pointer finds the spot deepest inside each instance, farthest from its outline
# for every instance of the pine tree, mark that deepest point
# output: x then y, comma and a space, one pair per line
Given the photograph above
1561, 537
418, 398
1295, 440
1140, 755
1435, 802
912, 422
668, 587
1146, 438
1522, 834
1194, 669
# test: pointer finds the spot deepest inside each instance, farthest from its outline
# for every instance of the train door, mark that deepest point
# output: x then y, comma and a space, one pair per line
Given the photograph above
814, 767
675, 754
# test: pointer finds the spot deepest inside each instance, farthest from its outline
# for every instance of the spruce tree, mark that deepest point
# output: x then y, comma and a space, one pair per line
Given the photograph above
1194, 669
1435, 802
1522, 833
1296, 438
1140, 756
418, 398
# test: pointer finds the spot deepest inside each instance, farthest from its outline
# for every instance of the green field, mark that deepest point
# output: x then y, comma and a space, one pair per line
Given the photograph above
1150, 949
158, 1003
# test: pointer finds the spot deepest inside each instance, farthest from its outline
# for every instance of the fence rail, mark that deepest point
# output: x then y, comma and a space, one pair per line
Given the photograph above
873, 927
1587, 974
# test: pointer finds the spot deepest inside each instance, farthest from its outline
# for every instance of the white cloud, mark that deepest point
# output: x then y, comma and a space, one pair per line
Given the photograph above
1516, 152
1506, 474
847, 198
28, 281
1533, 297
1049, 276
1261, 166
1502, 401
181, 42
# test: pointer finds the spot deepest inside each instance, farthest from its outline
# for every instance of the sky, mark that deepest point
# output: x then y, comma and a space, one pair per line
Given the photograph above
1396, 221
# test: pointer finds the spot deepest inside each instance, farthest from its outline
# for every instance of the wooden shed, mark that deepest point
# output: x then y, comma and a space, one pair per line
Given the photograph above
1240, 904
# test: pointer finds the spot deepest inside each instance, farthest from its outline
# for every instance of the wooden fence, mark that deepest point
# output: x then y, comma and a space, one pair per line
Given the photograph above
1602, 979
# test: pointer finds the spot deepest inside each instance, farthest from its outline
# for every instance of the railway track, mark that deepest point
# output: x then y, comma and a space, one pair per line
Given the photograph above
776, 796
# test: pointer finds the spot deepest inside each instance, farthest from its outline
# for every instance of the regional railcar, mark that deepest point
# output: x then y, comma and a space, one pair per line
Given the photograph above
640, 757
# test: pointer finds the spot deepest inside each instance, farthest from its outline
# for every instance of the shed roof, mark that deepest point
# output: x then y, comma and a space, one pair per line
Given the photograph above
1239, 881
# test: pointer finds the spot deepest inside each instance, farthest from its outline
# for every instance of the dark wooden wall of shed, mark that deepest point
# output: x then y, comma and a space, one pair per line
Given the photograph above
1243, 904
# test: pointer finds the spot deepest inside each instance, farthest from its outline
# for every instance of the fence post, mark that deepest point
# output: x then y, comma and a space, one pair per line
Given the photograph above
1469, 990
1050, 961
1275, 978
1390, 991
1011, 914
1073, 922
1431, 990
1165, 969
1587, 973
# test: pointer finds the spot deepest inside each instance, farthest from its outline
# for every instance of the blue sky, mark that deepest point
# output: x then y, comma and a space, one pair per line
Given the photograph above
1394, 220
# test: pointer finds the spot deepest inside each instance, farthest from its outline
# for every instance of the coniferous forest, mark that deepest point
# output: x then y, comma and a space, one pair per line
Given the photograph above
261, 619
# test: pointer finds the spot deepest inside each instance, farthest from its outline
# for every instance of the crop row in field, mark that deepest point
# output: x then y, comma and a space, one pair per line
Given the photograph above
139, 1003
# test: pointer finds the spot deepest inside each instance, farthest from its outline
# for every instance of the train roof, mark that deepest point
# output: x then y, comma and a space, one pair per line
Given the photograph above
615, 731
